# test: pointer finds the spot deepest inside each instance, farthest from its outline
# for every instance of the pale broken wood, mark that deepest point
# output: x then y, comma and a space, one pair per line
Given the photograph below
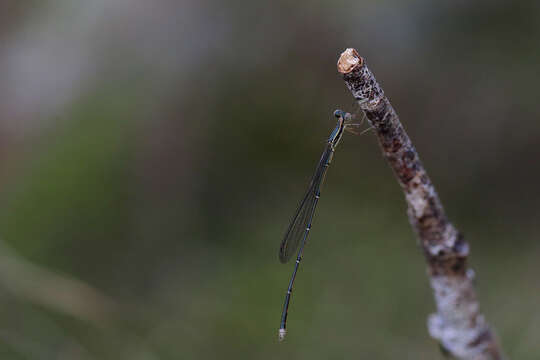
458, 324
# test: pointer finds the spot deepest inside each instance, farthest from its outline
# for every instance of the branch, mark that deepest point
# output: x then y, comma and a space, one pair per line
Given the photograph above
458, 324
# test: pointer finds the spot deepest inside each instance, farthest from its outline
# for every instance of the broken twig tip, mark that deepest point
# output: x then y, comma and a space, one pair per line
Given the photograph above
349, 60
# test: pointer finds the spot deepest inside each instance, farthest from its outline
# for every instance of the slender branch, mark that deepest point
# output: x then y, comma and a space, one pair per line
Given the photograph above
458, 324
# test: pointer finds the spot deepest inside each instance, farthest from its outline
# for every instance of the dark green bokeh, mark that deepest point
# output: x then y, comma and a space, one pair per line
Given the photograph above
166, 175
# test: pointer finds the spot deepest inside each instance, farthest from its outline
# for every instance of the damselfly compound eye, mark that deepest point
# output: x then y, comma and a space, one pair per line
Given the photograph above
338, 113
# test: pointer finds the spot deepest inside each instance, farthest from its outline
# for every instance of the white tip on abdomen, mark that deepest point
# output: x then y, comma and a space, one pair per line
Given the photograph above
282, 333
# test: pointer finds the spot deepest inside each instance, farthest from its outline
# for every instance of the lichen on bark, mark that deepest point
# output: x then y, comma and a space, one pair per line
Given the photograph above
458, 324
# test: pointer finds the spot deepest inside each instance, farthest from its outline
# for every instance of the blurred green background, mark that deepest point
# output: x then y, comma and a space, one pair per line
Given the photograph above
152, 154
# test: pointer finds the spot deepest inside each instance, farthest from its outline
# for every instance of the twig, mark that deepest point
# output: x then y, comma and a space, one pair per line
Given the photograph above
458, 324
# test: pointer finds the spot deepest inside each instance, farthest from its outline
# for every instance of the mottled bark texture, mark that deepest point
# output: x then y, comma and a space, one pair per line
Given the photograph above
458, 324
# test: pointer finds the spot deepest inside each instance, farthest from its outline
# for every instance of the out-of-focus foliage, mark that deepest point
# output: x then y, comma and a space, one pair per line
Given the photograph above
153, 153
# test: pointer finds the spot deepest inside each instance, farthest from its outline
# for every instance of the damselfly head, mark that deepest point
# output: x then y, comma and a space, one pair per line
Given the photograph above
339, 113
344, 115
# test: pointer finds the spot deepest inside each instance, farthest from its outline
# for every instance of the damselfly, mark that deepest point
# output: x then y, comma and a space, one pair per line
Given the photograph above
298, 230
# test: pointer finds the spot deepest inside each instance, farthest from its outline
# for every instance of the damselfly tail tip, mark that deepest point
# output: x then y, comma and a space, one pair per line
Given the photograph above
282, 333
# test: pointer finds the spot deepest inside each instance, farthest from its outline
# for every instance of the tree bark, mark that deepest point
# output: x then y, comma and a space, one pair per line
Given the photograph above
458, 324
